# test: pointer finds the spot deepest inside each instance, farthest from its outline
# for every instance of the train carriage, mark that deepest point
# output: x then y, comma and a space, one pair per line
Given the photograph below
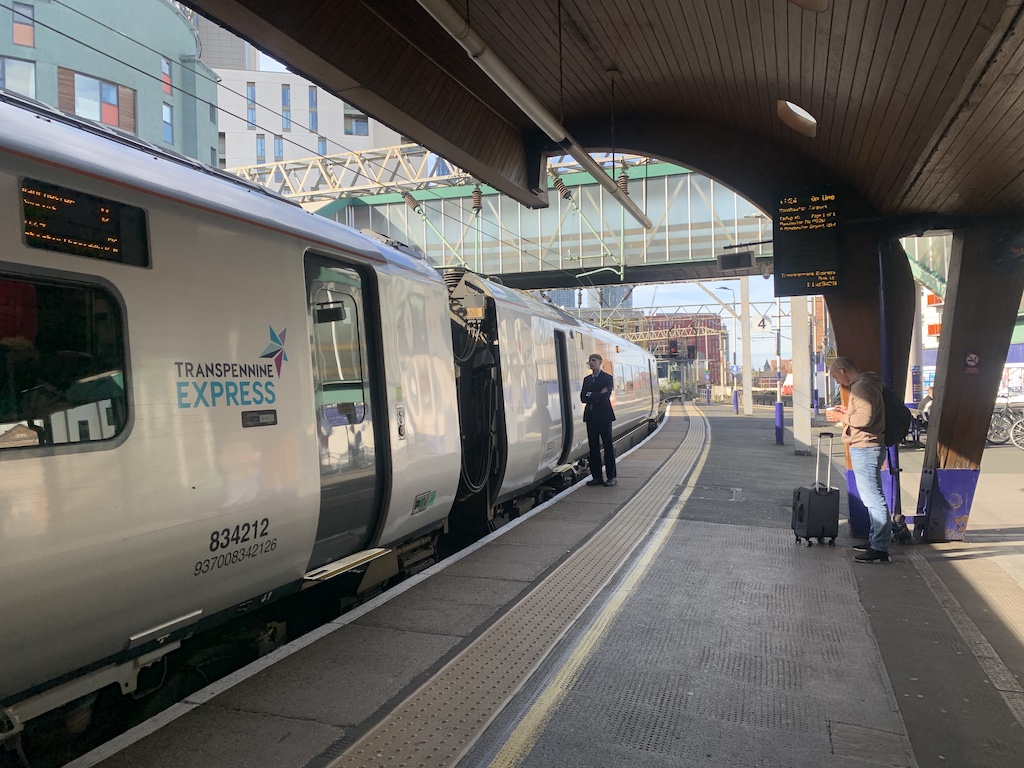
213, 396
210, 398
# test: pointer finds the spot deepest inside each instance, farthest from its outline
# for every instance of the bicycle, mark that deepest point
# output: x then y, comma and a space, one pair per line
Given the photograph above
1002, 422
1017, 433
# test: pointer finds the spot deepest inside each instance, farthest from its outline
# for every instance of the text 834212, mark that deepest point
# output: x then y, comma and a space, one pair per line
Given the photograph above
225, 537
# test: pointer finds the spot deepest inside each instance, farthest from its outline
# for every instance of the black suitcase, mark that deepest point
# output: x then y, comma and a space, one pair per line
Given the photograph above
816, 508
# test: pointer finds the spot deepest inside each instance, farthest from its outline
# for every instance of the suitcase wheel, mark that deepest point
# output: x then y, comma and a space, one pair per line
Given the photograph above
809, 542
821, 539
797, 539
832, 542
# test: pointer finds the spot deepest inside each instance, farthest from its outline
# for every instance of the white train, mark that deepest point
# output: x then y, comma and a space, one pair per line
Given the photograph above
210, 398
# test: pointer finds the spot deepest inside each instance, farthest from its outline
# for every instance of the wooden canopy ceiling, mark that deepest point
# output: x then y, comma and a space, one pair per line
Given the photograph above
919, 103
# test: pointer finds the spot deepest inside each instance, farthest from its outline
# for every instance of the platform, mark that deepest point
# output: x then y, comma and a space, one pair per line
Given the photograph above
668, 621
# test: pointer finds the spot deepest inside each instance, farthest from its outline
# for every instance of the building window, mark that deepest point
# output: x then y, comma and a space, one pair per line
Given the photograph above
168, 117
261, 148
213, 114
286, 107
213, 157
357, 125
278, 157
314, 117
321, 146
18, 76
250, 106
165, 74
24, 25
95, 99
109, 109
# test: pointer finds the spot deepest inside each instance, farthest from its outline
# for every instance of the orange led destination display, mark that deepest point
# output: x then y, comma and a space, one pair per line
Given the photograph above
71, 221
806, 242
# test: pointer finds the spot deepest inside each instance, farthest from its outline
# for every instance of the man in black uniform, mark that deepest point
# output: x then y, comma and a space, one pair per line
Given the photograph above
598, 414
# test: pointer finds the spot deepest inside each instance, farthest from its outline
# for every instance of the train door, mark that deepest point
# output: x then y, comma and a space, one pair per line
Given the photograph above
346, 411
562, 360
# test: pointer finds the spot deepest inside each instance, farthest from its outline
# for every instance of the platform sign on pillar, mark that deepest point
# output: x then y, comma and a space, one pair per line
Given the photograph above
830, 357
806, 241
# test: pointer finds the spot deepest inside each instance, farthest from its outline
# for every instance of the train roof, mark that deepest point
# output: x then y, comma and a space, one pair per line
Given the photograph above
541, 308
35, 131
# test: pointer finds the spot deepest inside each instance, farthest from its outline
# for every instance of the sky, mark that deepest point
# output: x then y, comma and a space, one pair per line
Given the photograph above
267, 64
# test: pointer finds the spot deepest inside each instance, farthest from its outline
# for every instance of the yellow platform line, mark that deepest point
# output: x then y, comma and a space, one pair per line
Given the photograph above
533, 724
439, 722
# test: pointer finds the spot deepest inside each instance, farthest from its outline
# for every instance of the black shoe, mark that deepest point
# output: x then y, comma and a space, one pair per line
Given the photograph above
610, 482
862, 547
873, 556
595, 482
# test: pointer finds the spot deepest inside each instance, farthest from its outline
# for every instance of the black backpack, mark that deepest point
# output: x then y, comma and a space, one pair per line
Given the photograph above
897, 417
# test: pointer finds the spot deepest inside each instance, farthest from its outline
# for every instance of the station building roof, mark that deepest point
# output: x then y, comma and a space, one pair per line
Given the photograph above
917, 103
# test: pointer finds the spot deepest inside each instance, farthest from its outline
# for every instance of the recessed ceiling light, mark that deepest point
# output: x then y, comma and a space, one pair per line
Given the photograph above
797, 118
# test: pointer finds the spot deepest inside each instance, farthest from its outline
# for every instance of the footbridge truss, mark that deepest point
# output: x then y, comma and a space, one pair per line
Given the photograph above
583, 238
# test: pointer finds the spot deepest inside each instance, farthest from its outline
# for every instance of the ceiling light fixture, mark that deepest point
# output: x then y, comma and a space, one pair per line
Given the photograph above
797, 118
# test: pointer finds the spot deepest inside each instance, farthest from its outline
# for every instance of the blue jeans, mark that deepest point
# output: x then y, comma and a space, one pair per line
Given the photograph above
867, 471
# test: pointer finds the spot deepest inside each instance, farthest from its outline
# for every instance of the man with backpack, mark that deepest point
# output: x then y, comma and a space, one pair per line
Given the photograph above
863, 422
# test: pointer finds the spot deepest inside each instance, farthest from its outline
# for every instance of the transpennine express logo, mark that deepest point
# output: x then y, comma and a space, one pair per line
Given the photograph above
225, 383
275, 349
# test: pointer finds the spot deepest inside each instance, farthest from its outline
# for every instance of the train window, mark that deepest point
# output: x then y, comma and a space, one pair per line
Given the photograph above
338, 356
629, 378
620, 384
61, 364
69, 221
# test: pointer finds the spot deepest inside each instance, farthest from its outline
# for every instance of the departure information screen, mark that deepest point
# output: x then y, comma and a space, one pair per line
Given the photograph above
806, 242
66, 220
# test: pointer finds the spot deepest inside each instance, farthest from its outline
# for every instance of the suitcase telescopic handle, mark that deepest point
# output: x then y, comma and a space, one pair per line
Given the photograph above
817, 462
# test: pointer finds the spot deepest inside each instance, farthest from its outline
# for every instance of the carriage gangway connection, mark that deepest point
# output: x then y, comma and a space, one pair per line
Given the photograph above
671, 620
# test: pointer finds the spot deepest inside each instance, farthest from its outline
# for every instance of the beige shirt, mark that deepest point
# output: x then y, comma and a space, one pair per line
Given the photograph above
864, 421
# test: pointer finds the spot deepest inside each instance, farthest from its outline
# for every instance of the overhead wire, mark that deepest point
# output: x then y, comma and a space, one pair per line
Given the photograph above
436, 196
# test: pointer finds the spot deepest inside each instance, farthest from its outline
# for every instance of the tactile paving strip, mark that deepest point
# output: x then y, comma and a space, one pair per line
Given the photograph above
438, 723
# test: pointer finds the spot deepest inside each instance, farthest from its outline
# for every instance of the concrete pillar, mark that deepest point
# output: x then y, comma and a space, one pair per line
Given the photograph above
802, 376
982, 299
748, 375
